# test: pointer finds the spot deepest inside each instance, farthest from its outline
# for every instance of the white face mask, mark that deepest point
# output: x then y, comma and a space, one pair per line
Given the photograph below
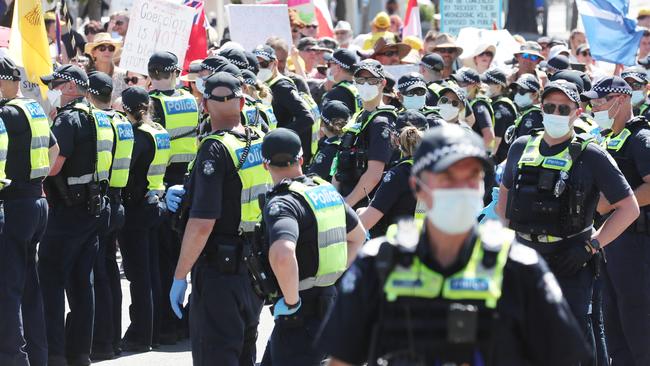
329, 75
367, 92
603, 120
638, 96
523, 101
415, 102
264, 74
455, 210
200, 84
556, 126
54, 96
448, 112
492, 92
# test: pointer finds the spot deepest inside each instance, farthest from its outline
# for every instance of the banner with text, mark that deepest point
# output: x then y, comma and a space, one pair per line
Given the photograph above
458, 14
250, 25
156, 25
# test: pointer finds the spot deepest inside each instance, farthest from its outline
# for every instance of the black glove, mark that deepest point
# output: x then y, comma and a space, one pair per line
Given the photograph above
572, 260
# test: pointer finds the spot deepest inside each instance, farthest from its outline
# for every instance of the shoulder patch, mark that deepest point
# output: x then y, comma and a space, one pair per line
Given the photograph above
528, 123
274, 210
371, 248
385, 133
208, 167
497, 113
523, 254
349, 280
388, 176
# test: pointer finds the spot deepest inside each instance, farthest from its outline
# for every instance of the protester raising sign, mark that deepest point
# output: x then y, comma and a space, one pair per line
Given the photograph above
250, 25
156, 25
458, 14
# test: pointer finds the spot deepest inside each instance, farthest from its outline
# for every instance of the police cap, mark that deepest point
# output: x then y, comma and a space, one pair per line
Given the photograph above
100, 83
433, 61
226, 80
8, 69
68, 73
281, 147
133, 97
334, 109
163, 61
236, 57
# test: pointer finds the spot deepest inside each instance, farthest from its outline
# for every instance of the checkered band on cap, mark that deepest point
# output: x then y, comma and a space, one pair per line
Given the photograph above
610, 90
208, 67
326, 120
635, 75
338, 62
171, 68
7, 77
569, 92
528, 84
93, 91
430, 67
433, 157
70, 78
409, 83
465, 76
263, 54
494, 80
126, 108
237, 62
250, 81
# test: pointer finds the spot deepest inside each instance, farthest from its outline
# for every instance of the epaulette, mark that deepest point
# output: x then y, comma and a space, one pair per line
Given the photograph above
522, 254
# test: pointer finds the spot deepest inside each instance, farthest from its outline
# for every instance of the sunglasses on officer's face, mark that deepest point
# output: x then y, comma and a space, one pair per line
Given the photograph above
445, 100
562, 109
371, 81
264, 64
635, 85
224, 98
415, 92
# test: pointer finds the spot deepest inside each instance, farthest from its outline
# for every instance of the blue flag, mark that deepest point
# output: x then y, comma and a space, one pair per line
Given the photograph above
613, 37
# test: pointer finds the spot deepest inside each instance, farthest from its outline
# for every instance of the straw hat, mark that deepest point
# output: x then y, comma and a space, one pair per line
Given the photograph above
100, 39
445, 40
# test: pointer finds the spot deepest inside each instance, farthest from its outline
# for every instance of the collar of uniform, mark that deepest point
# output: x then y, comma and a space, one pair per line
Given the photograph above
423, 251
546, 150
168, 93
73, 102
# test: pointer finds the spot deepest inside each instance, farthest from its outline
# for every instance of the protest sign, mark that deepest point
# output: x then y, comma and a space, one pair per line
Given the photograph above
458, 14
120, 5
156, 25
396, 71
250, 25
305, 8
470, 38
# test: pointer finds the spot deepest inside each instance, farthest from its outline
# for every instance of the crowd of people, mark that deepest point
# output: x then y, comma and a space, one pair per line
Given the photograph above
467, 213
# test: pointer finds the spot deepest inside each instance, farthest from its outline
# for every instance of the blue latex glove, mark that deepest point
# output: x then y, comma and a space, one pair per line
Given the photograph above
174, 197
177, 296
489, 212
281, 308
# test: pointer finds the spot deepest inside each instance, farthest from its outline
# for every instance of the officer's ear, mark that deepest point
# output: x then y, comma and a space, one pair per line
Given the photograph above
265, 165
413, 183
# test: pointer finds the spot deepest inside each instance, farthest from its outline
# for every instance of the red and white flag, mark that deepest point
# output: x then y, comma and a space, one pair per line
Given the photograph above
322, 12
198, 45
412, 26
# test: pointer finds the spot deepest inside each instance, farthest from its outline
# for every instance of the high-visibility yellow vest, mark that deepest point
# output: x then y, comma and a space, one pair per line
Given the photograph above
104, 145
181, 122
264, 112
329, 209
39, 159
123, 133
161, 156
435, 88
358, 103
255, 180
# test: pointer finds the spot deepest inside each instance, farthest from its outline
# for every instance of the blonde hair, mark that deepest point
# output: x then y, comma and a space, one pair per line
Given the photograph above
336, 126
409, 139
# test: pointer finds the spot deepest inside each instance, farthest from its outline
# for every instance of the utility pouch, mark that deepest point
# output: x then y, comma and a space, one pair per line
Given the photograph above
95, 199
227, 258
462, 323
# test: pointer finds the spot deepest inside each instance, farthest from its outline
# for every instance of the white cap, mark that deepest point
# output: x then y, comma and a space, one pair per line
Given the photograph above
343, 25
557, 49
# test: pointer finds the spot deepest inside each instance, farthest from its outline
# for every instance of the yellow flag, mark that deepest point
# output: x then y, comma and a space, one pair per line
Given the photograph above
28, 45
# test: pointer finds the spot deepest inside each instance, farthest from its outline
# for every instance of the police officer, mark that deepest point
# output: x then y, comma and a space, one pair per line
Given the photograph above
76, 192
431, 67
365, 143
177, 111
312, 236
505, 111
626, 299
585, 122
550, 187
256, 92
637, 79
107, 330
28, 149
340, 70
334, 118
222, 195
394, 198
294, 110
456, 294
526, 98
412, 91
452, 105
470, 81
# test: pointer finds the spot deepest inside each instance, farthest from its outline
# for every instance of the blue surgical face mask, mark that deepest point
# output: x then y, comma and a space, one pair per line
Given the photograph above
415, 102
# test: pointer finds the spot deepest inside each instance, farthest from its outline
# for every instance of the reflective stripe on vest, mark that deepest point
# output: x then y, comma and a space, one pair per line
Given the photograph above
474, 282
435, 88
161, 156
616, 143
104, 145
358, 103
357, 127
532, 157
4, 145
39, 159
255, 180
181, 122
328, 208
644, 107
123, 132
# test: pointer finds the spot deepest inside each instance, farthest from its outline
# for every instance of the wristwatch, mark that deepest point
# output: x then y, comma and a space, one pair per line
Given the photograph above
291, 307
595, 244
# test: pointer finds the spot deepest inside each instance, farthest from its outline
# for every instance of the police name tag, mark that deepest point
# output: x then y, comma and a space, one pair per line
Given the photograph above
177, 106
555, 162
162, 141
35, 110
254, 157
324, 197
124, 131
102, 119
469, 284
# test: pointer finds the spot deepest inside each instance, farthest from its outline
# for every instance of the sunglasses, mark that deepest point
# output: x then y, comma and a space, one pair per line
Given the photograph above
224, 98
55, 84
445, 100
132, 79
371, 81
530, 56
88, 32
104, 47
486, 53
445, 50
295, 30
521, 91
312, 26
635, 85
562, 109
416, 92
119, 22
599, 102
264, 64
389, 54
